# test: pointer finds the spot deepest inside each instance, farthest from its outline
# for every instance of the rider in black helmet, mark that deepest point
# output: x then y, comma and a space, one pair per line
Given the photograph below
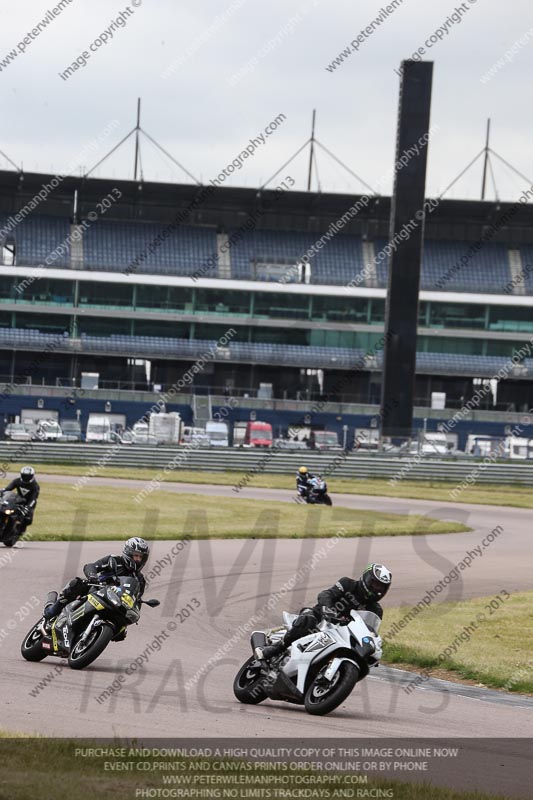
335, 603
27, 490
131, 562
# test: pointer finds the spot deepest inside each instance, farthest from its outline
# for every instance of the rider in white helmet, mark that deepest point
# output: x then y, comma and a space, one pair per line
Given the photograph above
336, 603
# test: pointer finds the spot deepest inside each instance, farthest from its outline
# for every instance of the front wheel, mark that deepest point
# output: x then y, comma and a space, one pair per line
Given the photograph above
323, 696
84, 653
327, 500
248, 684
32, 645
13, 537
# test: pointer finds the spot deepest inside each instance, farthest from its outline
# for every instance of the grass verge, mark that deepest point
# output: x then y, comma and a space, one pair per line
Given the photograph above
484, 494
488, 640
100, 513
37, 768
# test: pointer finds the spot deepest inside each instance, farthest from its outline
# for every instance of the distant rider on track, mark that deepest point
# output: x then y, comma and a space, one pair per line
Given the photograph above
303, 482
27, 490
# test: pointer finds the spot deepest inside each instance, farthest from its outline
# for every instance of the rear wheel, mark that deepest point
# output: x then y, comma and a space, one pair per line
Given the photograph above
84, 653
32, 646
248, 683
323, 696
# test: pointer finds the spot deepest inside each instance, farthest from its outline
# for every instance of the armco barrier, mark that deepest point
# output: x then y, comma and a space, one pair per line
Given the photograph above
244, 462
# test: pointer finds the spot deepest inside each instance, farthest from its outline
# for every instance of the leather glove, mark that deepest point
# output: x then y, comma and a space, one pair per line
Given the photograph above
329, 614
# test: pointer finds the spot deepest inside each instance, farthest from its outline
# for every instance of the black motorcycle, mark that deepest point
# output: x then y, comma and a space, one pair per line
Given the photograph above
12, 518
84, 628
318, 492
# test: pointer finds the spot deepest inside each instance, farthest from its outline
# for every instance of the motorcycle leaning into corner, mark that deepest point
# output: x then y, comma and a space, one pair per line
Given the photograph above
12, 518
317, 493
83, 628
319, 670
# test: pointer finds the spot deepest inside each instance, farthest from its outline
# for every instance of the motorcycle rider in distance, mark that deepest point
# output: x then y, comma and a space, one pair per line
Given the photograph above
131, 562
303, 478
334, 604
28, 491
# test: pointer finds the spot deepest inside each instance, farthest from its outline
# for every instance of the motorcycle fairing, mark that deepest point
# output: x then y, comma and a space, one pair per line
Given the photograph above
330, 638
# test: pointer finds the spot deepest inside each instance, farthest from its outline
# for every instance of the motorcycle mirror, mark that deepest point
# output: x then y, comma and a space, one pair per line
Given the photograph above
152, 603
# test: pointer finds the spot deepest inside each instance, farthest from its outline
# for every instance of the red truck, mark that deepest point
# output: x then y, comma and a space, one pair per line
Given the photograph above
258, 434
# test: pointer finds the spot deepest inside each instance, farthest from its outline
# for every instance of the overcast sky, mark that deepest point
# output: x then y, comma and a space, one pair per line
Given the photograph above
205, 115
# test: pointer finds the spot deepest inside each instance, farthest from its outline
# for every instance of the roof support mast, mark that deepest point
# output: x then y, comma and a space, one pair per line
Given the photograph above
311, 151
137, 130
486, 161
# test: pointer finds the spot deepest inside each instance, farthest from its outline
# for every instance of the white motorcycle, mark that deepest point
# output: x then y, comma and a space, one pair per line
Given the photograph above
319, 670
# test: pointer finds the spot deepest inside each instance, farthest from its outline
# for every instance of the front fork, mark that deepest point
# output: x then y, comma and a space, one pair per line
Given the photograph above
333, 667
94, 623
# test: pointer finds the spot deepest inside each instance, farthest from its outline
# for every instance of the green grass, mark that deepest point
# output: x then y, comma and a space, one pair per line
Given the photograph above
498, 654
39, 768
106, 512
492, 494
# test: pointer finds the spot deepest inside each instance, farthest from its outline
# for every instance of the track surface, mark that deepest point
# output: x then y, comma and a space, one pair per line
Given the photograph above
232, 580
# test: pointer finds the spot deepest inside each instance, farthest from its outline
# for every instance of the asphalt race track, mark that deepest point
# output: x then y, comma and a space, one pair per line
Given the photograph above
173, 692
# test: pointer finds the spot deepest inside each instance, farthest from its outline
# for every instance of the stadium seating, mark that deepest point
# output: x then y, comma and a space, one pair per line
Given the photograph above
257, 353
336, 263
457, 364
38, 237
527, 269
293, 355
486, 271
31, 338
117, 246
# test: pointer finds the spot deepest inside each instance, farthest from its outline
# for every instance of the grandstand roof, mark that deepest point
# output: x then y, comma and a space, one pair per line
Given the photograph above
228, 206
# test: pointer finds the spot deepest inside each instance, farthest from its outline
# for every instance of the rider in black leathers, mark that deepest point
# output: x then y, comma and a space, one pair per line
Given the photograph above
336, 603
134, 556
27, 490
303, 478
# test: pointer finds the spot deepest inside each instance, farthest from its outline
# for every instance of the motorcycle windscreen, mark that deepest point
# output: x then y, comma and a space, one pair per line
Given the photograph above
130, 585
371, 620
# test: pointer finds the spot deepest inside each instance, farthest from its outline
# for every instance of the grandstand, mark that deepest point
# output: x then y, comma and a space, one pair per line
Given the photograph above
116, 246
133, 287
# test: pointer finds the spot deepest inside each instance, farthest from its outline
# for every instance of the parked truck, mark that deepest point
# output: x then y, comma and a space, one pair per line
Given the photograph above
165, 428
258, 434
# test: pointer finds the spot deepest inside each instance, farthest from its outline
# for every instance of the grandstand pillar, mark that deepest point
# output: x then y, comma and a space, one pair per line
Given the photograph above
406, 239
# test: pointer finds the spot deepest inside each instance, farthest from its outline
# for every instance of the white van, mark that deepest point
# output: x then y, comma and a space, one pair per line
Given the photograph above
428, 444
48, 430
217, 434
98, 429
195, 436
141, 434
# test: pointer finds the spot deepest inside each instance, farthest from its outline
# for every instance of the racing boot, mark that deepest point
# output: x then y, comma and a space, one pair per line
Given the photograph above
270, 651
51, 609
